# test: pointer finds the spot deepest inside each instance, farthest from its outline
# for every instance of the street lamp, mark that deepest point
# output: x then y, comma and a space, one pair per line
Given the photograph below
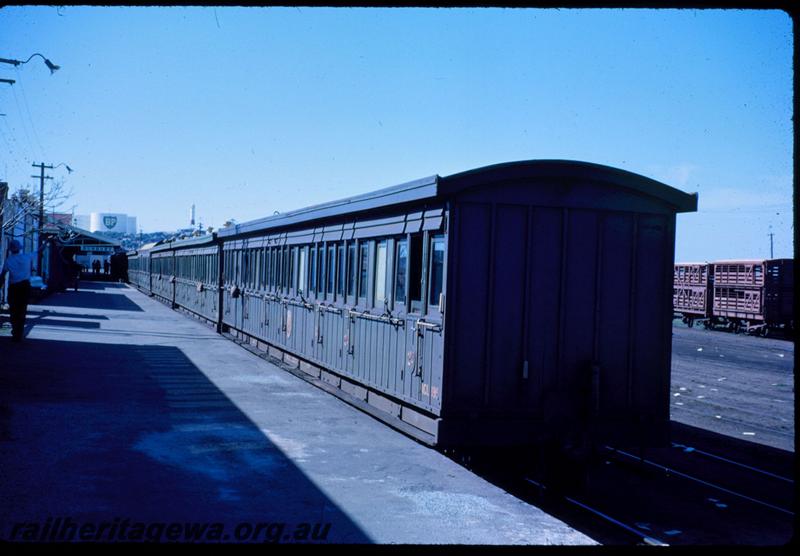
50, 65
70, 170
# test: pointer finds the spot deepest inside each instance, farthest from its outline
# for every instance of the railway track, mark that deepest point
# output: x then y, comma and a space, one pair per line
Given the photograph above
691, 492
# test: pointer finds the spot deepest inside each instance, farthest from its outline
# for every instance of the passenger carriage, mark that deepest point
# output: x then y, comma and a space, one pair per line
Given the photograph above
497, 306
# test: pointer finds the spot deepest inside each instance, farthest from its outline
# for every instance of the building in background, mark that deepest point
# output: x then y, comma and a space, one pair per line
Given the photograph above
58, 218
106, 222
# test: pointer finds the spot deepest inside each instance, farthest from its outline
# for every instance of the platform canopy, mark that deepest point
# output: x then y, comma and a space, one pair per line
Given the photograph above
84, 240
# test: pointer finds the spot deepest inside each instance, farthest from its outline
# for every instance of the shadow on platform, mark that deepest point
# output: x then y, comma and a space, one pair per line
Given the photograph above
102, 432
92, 300
30, 323
86, 284
96, 279
33, 311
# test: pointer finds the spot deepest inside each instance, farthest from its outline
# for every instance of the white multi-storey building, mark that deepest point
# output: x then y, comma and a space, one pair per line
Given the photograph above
106, 222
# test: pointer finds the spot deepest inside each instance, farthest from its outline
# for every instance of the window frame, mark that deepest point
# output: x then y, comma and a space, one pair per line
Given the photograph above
433, 305
363, 273
419, 307
351, 271
403, 306
330, 278
378, 301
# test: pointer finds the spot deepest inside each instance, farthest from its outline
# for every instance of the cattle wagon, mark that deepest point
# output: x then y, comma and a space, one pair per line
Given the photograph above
753, 296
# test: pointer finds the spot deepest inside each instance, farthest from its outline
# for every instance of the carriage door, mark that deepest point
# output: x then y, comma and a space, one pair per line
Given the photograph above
415, 327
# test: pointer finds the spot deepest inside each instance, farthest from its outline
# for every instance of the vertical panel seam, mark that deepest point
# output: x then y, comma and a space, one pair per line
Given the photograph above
632, 309
487, 371
561, 297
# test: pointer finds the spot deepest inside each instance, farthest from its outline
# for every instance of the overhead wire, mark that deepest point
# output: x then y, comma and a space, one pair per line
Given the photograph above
12, 144
22, 121
28, 111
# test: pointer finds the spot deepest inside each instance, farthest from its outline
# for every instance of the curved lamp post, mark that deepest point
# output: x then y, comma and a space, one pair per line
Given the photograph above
50, 65
70, 170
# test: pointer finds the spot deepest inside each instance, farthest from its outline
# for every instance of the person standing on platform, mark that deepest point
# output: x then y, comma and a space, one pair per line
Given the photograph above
75, 268
19, 266
106, 267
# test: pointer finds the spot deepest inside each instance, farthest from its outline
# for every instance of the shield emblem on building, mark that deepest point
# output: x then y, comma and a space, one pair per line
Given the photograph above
110, 221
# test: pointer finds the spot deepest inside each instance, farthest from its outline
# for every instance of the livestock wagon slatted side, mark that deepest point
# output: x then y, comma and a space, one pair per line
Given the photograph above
691, 300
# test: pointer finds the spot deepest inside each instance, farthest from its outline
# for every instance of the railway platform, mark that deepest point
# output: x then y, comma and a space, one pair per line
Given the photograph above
122, 420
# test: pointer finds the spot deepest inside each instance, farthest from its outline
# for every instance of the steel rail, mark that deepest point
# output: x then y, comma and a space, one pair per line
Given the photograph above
693, 450
701, 481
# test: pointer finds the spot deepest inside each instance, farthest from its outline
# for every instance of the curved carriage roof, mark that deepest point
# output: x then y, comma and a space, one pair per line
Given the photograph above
434, 187
145, 248
187, 242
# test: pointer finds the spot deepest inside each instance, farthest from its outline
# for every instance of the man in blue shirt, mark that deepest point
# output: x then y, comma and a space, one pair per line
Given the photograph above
19, 267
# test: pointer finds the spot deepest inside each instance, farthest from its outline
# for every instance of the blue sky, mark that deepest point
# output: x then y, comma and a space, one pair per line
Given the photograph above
245, 111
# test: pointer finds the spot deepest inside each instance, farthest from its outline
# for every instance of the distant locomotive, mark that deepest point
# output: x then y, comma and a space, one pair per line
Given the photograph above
505, 305
753, 296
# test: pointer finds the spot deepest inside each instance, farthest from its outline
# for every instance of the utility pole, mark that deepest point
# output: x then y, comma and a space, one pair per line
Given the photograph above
41, 177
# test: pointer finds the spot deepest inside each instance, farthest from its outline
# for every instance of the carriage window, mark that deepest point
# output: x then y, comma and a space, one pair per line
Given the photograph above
313, 259
437, 269
331, 269
301, 271
279, 276
251, 268
380, 273
282, 267
295, 264
289, 268
262, 269
363, 269
351, 270
401, 264
274, 268
415, 274
321, 269
268, 268
340, 273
